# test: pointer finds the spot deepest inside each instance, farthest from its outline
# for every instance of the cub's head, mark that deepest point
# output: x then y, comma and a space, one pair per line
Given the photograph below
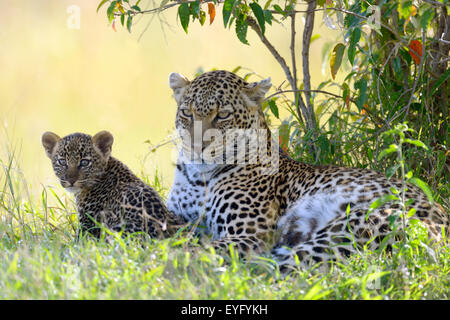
214, 103
78, 159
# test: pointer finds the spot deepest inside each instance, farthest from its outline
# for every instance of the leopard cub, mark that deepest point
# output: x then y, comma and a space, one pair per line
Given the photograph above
106, 191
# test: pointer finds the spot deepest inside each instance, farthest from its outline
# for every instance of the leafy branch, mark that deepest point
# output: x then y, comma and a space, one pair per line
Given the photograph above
397, 54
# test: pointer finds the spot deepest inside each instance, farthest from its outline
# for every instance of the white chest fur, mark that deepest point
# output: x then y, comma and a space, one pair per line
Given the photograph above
189, 193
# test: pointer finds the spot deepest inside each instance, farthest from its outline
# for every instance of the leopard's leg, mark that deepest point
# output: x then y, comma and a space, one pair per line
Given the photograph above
242, 244
340, 238
87, 226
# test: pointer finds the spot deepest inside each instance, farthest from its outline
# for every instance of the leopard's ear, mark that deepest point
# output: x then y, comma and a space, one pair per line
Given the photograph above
256, 91
49, 141
102, 142
178, 84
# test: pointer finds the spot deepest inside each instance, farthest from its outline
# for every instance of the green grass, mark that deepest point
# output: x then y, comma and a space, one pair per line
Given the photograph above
41, 260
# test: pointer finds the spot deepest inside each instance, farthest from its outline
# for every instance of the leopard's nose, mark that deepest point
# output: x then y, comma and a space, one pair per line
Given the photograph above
71, 181
72, 176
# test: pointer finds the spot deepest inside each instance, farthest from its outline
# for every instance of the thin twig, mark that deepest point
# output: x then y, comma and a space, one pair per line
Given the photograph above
299, 90
297, 97
167, 6
292, 47
394, 49
441, 39
254, 25
435, 3
307, 33
346, 12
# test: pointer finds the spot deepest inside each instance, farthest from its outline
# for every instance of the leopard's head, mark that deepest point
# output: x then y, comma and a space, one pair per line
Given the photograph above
78, 159
214, 104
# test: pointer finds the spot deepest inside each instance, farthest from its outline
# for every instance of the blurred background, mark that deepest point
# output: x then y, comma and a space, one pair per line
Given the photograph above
60, 79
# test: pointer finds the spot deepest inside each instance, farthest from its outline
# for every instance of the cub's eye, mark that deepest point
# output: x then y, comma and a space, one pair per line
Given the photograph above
85, 162
223, 115
62, 162
186, 113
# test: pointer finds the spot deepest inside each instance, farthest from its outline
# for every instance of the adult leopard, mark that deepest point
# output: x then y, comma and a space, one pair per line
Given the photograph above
315, 212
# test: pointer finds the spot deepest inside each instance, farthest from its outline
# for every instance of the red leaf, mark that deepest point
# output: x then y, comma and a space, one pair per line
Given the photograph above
283, 144
211, 12
415, 47
347, 101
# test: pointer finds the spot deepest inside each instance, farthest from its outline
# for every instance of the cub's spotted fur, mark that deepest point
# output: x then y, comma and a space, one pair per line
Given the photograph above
300, 209
106, 191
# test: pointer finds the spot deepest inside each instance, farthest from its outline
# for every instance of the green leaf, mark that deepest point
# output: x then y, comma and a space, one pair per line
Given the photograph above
274, 108
268, 16
163, 3
409, 175
259, 14
422, 185
411, 212
231, 21
266, 6
392, 218
135, 7
101, 4
392, 148
227, 9
380, 201
202, 17
336, 58
235, 70
129, 22
362, 97
354, 39
404, 9
110, 11
350, 20
195, 8
409, 201
440, 81
278, 9
426, 17
184, 12
417, 143
122, 19
290, 7
314, 38
241, 28
316, 292
397, 65
345, 91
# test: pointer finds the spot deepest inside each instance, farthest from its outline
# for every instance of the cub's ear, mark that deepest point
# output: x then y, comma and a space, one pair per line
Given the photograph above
102, 142
178, 84
256, 91
49, 141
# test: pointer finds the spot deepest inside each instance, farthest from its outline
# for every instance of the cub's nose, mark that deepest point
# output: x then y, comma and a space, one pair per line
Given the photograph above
72, 176
66, 183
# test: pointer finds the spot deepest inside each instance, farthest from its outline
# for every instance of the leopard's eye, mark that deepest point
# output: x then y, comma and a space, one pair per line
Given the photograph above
62, 162
223, 115
85, 162
186, 112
